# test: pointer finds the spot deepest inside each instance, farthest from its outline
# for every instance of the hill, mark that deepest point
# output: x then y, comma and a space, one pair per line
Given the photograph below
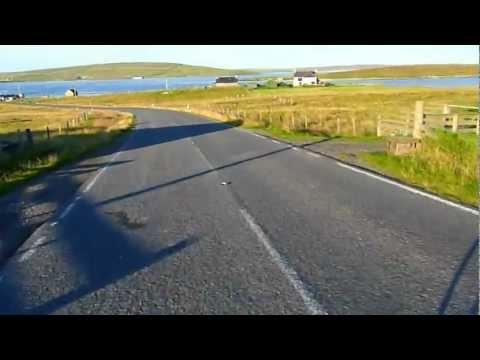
403, 71
119, 71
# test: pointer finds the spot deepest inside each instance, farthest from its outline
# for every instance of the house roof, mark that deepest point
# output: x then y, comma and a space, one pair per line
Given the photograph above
226, 79
305, 74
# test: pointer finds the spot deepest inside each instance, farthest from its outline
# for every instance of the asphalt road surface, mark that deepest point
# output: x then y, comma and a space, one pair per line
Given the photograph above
196, 217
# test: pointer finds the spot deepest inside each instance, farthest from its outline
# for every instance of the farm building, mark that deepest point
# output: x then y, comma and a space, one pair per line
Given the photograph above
71, 92
227, 81
10, 97
301, 78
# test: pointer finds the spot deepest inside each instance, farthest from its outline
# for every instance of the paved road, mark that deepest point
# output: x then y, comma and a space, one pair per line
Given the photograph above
195, 217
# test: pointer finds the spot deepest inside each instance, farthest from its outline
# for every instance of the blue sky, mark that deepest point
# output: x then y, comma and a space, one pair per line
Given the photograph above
22, 57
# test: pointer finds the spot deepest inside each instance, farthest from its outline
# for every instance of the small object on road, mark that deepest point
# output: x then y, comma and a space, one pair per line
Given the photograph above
226, 182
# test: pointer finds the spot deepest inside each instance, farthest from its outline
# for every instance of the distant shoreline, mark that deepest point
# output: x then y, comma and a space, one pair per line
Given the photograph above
249, 79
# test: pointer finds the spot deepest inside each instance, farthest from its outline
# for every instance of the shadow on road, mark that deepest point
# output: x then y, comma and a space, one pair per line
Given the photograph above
91, 258
97, 255
471, 255
186, 178
59, 186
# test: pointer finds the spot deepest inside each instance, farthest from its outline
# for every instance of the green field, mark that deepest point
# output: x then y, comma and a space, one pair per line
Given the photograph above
404, 71
446, 165
119, 71
101, 128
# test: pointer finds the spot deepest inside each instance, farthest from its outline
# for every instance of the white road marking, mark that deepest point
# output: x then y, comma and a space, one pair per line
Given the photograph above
32, 250
313, 306
308, 299
94, 180
276, 142
66, 211
415, 191
312, 154
295, 148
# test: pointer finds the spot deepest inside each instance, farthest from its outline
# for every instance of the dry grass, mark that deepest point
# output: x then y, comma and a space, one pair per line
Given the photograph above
100, 128
315, 110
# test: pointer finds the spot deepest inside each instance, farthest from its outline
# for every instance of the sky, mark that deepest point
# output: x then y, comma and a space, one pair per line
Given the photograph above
29, 57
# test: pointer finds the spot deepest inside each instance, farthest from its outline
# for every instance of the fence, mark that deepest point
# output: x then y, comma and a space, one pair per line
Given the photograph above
454, 118
29, 137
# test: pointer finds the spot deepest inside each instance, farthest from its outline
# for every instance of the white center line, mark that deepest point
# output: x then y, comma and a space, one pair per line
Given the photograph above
94, 180
415, 191
67, 210
313, 306
32, 250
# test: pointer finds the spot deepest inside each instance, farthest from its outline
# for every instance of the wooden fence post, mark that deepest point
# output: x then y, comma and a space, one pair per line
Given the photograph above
48, 133
446, 111
29, 137
354, 127
455, 123
293, 121
306, 121
418, 120
59, 129
379, 128
338, 126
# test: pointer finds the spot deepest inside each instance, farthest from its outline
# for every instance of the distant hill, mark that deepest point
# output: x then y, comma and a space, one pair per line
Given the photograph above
402, 71
318, 68
119, 71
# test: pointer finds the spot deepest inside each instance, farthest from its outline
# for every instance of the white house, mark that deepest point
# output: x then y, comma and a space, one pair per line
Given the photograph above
301, 78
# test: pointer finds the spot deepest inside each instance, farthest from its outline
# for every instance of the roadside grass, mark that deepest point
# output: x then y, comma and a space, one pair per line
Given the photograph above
45, 155
446, 165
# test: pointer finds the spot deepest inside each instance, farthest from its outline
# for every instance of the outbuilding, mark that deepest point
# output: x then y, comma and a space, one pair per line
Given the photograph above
71, 92
226, 81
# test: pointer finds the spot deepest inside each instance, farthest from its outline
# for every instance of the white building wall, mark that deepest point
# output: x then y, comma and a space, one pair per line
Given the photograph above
305, 81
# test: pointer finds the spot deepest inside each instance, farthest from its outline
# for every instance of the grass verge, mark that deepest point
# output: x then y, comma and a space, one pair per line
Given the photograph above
49, 154
446, 165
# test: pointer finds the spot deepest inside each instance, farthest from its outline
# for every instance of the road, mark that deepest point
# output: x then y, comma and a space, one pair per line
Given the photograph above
196, 217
